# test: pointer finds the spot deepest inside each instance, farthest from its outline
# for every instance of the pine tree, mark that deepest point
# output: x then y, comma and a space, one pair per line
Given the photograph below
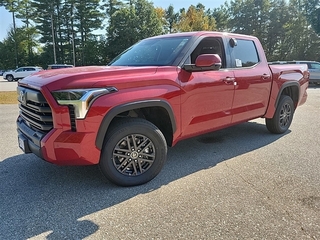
135, 20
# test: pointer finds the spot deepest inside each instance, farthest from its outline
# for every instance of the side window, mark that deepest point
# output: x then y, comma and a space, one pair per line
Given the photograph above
210, 45
19, 70
315, 66
245, 53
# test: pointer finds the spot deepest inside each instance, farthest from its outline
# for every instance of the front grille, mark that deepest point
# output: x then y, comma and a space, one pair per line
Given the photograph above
34, 110
72, 118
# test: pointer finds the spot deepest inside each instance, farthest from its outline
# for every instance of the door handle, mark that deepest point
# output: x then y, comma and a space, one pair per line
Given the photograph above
265, 76
229, 80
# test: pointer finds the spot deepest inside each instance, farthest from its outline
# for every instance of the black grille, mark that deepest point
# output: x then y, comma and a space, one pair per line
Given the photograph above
34, 110
72, 118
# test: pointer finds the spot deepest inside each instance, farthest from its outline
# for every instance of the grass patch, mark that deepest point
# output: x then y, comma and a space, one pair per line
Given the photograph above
9, 97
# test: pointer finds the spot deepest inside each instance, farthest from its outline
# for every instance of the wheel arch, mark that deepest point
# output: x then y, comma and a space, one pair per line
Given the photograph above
291, 89
8, 75
148, 109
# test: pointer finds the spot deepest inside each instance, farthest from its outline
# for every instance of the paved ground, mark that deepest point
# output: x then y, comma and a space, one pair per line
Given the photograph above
238, 183
7, 86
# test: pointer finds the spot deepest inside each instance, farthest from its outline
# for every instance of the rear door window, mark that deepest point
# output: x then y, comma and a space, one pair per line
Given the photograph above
315, 66
245, 53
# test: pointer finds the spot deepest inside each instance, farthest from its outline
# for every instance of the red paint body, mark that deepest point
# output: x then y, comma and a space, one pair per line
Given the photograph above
201, 101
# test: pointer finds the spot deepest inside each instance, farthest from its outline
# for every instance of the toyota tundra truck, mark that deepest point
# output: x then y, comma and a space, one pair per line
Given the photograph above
163, 89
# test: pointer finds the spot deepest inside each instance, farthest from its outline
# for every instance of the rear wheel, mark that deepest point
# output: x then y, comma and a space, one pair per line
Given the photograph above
283, 116
134, 152
10, 78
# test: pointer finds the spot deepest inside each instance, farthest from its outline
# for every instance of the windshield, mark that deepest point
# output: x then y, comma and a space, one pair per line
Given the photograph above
151, 52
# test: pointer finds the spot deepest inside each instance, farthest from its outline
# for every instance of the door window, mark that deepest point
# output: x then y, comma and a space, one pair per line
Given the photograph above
245, 53
209, 45
315, 66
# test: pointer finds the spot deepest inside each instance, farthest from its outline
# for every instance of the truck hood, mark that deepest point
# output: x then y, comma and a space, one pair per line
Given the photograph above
89, 77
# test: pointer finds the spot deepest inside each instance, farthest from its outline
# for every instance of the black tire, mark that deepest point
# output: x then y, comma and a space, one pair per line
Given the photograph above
283, 116
134, 152
9, 78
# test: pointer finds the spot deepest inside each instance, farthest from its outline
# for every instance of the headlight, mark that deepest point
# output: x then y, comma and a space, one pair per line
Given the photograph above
80, 99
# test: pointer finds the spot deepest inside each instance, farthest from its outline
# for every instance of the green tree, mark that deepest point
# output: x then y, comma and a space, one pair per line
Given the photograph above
7, 56
111, 6
49, 21
312, 9
95, 50
135, 20
65, 29
12, 6
26, 12
88, 18
249, 17
221, 16
66, 26
161, 15
171, 19
302, 39
195, 19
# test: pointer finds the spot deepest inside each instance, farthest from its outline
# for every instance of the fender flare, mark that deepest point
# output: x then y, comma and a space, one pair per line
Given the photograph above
286, 85
127, 107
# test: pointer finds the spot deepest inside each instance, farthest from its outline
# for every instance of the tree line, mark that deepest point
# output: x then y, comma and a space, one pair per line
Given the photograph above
92, 32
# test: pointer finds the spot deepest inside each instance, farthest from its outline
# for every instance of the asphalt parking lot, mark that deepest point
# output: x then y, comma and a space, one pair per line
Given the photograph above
7, 86
237, 183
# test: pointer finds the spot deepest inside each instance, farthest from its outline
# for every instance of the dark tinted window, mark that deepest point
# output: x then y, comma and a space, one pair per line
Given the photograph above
59, 66
245, 53
209, 45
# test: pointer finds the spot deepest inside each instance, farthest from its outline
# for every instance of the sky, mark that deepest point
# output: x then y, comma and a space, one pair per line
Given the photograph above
6, 17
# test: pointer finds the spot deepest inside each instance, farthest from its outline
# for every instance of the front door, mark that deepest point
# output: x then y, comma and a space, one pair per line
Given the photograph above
20, 72
207, 96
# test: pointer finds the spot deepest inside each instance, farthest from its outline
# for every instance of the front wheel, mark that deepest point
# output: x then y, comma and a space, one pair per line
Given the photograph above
283, 116
134, 152
10, 78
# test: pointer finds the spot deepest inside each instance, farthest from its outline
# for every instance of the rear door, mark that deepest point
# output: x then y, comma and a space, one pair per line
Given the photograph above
29, 71
252, 81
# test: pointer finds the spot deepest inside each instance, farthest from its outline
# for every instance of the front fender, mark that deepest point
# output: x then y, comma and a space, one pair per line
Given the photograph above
112, 113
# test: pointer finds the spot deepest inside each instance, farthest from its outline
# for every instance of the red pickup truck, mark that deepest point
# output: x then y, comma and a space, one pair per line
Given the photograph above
159, 91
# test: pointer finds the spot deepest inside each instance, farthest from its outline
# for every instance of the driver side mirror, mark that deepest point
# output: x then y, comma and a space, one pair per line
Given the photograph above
204, 62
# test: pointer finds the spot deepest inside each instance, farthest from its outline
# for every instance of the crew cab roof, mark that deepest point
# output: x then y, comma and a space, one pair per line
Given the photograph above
205, 33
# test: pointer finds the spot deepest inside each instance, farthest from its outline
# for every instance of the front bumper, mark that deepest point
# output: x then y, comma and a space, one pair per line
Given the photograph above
59, 147
28, 139
48, 130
